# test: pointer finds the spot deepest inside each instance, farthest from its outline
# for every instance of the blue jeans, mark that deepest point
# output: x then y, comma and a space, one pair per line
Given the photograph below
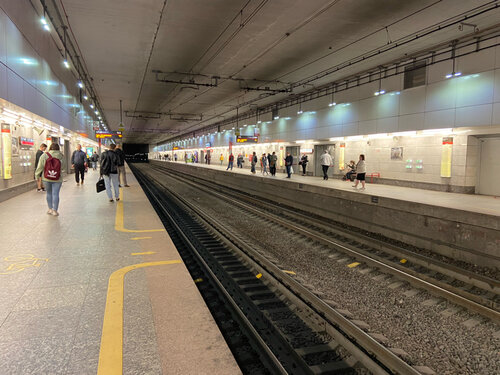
53, 189
230, 165
112, 178
288, 170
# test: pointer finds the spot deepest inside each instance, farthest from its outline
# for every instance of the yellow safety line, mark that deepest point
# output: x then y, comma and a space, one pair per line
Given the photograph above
144, 253
352, 265
111, 352
289, 272
119, 220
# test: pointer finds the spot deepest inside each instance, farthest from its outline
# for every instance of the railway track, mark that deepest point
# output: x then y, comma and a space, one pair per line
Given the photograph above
291, 328
476, 293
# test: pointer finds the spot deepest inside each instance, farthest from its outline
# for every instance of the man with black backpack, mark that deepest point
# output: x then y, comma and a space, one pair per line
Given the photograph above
109, 171
49, 168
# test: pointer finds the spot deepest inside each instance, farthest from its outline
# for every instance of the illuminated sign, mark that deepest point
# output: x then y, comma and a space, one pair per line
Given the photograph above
6, 154
177, 148
242, 139
446, 150
306, 150
104, 134
26, 143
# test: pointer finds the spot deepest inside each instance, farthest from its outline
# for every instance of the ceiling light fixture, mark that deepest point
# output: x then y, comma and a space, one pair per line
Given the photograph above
453, 72
80, 84
332, 102
380, 91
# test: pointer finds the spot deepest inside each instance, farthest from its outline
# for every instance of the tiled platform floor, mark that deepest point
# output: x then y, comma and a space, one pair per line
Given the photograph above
54, 275
484, 204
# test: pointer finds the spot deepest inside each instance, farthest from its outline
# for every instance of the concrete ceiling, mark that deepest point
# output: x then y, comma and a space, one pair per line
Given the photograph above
124, 41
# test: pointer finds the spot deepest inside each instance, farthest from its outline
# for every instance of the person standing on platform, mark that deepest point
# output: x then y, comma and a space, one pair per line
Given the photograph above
122, 174
272, 163
230, 162
39, 181
79, 163
288, 164
263, 163
49, 169
94, 159
221, 159
360, 172
240, 161
109, 171
253, 162
303, 162
326, 161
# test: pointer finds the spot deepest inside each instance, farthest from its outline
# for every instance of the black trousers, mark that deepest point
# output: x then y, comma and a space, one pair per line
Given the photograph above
304, 166
325, 171
79, 171
272, 170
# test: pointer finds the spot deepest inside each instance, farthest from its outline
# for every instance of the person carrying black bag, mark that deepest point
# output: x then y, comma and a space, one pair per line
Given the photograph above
303, 162
109, 171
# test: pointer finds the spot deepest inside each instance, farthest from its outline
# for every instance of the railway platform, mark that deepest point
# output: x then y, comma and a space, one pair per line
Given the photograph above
99, 289
460, 226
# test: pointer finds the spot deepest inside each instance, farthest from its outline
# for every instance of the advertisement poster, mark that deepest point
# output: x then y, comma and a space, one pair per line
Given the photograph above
6, 153
397, 153
446, 150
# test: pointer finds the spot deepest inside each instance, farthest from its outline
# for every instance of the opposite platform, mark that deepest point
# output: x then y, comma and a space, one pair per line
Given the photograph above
54, 295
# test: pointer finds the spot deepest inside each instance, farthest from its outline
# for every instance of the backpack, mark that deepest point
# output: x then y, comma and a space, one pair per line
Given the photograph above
52, 168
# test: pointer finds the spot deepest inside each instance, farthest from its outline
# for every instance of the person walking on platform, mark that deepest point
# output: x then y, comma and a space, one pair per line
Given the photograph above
122, 174
272, 163
253, 162
360, 172
288, 164
39, 181
49, 169
79, 163
94, 159
230, 163
326, 161
240, 161
303, 162
109, 171
221, 159
263, 163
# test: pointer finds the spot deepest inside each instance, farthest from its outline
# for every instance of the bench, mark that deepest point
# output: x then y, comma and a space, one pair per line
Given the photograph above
372, 175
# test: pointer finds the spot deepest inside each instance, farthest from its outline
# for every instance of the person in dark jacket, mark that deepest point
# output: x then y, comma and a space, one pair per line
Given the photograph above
253, 162
94, 159
109, 171
122, 175
303, 162
79, 163
39, 181
288, 164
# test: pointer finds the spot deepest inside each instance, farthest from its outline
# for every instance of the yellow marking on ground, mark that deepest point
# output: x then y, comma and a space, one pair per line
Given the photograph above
119, 220
258, 276
199, 280
289, 272
144, 253
352, 265
20, 262
140, 238
111, 352
403, 261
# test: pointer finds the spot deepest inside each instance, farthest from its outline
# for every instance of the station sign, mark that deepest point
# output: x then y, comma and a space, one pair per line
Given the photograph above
306, 150
177, 148
100, 134
208, 145
248, 139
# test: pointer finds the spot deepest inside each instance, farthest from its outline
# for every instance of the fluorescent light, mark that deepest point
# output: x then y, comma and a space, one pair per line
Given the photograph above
85, 97
96, 112
66, 64
382, 92
457, 74
332, 104
46, 27
337, 139
301, 141
404, 134
437, 131
91, 106
354, 138
80, 84
276, 117
300, 112
378, 136
43, 21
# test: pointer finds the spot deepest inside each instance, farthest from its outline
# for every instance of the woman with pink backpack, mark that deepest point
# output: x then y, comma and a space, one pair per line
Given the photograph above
50, 168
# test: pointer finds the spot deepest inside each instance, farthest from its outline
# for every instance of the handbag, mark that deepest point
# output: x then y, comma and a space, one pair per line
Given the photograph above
100, 186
